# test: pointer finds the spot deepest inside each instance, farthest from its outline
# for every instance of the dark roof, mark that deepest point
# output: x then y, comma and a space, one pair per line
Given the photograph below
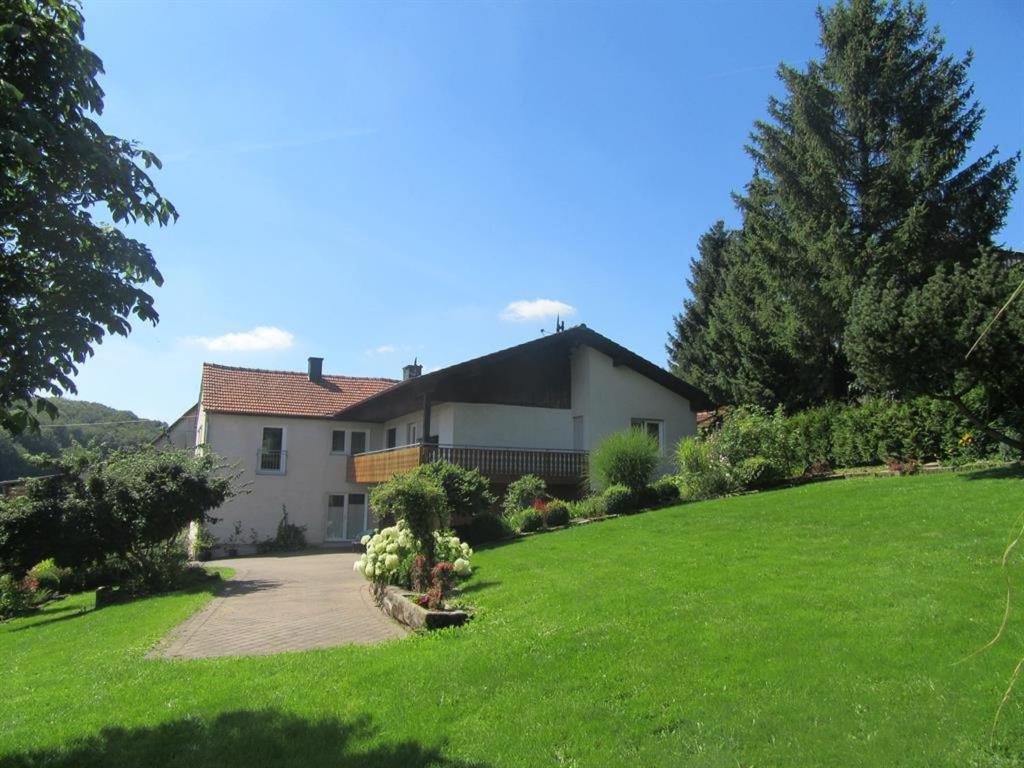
398, 398
226, 389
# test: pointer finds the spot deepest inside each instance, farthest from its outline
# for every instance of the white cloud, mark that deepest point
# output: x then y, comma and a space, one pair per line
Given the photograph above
384, 349
259, 339
521, 311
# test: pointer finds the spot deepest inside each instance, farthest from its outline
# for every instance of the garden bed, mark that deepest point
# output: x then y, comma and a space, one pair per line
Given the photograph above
400, 604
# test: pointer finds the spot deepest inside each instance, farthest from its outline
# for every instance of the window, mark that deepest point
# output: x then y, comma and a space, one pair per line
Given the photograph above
358, 442
335, 517
338, 441
272, 454
411, 435
653, 427
391, 440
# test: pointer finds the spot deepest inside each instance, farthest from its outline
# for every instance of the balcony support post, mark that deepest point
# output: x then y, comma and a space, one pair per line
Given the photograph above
426, 418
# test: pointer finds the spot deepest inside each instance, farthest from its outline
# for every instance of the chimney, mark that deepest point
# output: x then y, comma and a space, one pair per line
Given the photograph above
316, 369
412, 371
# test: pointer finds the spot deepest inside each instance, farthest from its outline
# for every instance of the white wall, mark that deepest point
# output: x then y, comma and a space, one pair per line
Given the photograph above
511, 426
311, 472
441, 424
609, 397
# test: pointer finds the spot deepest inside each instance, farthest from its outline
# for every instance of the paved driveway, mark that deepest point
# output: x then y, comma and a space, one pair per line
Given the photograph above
289, 603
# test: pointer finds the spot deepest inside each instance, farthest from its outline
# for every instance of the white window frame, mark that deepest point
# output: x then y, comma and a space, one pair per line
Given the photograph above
283, 469
641, 423
410, 432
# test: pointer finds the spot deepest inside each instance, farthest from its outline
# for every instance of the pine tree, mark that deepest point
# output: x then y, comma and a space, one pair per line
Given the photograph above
687, 347
862, 186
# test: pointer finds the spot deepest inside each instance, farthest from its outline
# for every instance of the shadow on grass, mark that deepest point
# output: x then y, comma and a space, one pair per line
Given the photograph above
1009, 472
477, 586
241, 738
52, 615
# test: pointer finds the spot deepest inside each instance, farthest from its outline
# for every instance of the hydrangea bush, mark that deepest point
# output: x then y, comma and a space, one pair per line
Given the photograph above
391, 553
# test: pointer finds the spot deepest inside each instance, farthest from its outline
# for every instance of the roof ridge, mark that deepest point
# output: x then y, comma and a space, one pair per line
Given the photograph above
223, 367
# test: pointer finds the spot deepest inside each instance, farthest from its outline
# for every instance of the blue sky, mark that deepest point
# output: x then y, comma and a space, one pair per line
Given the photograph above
376, 181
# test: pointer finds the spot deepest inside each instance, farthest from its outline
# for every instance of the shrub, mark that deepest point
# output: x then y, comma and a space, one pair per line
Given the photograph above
420, 502
203, 544
626, 458
484, 528
527, 520
442, 579
522, 493
618, 500
558, 513
755, 444
158, 568
391, 555
702, 472
93, 508
588, 507
289, 537
15, 596
666, 490
49, 575
466, 490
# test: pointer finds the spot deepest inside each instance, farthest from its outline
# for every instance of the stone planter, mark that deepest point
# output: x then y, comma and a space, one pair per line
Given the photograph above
401, 605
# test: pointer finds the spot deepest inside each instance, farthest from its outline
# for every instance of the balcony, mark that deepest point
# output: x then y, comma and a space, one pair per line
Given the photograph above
499, 465
271, 462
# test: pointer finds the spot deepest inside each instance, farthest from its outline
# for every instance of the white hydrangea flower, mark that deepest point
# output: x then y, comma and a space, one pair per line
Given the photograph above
462, 567
359, 566
365, 540
391, 562
369, 572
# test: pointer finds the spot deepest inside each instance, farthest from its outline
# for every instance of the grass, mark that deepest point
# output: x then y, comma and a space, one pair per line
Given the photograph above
820, 625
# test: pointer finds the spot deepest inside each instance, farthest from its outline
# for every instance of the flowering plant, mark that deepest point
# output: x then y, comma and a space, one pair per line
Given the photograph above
391, 554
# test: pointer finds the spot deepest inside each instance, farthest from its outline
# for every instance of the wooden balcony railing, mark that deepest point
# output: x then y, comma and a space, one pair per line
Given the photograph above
497, 464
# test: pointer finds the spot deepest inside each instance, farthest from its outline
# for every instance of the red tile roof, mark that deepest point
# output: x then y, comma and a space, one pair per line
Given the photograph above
283, 393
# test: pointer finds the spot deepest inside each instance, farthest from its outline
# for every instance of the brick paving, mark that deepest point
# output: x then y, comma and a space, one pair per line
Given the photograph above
277, 604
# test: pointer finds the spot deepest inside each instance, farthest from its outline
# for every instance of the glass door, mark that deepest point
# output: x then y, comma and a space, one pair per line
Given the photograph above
335, 518
355, 516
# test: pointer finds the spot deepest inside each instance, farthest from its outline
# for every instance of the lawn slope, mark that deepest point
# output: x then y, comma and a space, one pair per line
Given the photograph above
820, 625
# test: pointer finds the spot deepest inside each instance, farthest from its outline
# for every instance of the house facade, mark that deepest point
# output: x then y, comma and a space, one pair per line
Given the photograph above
316, 444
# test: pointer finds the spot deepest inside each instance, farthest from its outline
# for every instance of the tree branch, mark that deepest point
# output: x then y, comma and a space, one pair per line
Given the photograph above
977, 421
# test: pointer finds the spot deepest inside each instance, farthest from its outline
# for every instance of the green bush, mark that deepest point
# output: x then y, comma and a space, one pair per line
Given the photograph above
421, 503
15, 597
558, 513
755, 444
666, 490
95, 507
484, 528
626, 458
527, 520
702, 473
157, 568
289, 537
522, 493
49, 575
619, 500
203, 544
587, 508
466, 490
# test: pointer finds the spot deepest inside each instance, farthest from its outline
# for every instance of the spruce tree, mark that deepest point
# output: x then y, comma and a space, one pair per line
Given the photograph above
863, 193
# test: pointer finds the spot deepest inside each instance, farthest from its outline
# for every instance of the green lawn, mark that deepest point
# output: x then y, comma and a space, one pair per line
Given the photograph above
819, 625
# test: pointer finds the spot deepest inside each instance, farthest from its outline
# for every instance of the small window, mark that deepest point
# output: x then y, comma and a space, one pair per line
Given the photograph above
358, 442
336, 500
391, 439
357, 498
411, 430
338, 441
653, 427
272, 453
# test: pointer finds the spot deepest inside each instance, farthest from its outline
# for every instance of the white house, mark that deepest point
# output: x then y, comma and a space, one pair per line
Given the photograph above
316, 444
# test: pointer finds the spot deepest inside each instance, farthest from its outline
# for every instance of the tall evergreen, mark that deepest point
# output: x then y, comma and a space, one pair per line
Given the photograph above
687, 347
862, 178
